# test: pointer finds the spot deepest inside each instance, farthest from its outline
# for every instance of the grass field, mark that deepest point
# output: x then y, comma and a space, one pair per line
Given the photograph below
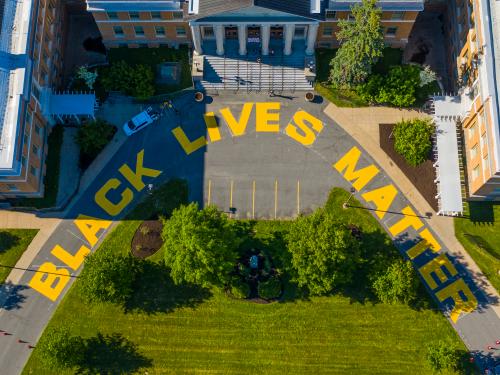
480, 235
13, 243
186, 330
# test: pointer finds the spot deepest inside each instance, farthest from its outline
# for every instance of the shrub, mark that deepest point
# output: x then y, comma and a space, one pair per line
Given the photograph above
270, 289
412, 140
398, 284
443, 356
400, 86
324, 252
240, 289
200, 246
60, 349
108, 277
92, 137
369, 91
135, 80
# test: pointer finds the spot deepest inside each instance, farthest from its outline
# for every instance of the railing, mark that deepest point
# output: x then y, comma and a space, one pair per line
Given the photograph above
238, 75
225, 76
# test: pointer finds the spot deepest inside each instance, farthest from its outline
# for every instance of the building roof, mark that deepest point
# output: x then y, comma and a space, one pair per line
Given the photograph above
253, 14
389, 5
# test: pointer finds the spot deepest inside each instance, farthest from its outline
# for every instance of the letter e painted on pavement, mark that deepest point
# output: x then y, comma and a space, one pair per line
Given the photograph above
347, 166
305, 129
266, 121
435, 266
457, 290
50, 280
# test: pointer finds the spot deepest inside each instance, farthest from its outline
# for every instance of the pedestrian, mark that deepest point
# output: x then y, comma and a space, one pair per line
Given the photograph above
258, 60
490, 347
497, 342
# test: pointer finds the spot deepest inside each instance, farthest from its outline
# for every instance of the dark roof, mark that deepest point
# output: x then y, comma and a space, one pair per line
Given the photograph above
296, 7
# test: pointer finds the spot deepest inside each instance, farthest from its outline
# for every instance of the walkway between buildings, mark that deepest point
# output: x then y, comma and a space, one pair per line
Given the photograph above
363, 125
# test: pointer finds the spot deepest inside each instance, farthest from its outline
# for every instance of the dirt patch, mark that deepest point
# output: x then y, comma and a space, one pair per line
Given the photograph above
147, 239
422, 176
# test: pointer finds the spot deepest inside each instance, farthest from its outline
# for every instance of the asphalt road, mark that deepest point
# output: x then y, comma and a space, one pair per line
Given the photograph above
260, 175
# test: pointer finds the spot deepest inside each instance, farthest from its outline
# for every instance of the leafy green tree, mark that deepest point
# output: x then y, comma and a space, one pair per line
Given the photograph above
135, 80
324, 252
443, 356
240, 289
200, 246
400, 86
270, 289
92, 137
412, 140
361, 44
60, 349
108, 277
398, 284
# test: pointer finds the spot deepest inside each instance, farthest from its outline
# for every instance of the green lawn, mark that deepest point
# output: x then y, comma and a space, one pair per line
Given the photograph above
13, 242
179, 330
154, 56
479, 233
51, 179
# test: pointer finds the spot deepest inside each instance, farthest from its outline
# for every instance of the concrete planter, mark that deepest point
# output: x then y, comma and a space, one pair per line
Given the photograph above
198, 96
309, 96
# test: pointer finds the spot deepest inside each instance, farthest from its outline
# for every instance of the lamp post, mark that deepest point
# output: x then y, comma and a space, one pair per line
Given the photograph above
345, 204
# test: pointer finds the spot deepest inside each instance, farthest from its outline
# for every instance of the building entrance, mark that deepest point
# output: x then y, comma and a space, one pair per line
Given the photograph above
254, 32
231, 32
277, 32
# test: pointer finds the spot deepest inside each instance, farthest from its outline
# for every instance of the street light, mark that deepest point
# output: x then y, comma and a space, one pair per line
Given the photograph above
345, 204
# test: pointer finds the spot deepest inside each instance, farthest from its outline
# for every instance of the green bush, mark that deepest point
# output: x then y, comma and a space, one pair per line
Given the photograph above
240, 289
270, 289
443, 356
398, 284
92, 137
60, 349
134, 80
412, 140
369, 91
108, 277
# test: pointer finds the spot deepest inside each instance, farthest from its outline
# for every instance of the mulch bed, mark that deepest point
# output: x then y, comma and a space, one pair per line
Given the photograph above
147, 239
422, 176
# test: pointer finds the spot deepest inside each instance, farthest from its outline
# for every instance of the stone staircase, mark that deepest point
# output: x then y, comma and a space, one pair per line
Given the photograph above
277, 73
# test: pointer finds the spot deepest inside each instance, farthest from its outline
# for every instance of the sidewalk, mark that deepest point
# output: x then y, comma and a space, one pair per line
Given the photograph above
362, 125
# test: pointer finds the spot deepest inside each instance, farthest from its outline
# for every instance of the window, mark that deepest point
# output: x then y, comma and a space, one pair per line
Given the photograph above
397, 15
25, 139
38, 130
327, 31
23, 161
208, 31
350, 17
472, 131
118, 30
180, 31
486, 161
28, 118
331, 15
12, 187
391, 31
33, 170
112, 15
36, 91
484, 141
475, 173
473, 151
156, 15
35, 150
139, 30
177, 15
133, 15
160, 31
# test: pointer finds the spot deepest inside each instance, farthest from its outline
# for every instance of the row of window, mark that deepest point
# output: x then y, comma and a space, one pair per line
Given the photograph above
137, 15
160, 31
332, 15
388, 31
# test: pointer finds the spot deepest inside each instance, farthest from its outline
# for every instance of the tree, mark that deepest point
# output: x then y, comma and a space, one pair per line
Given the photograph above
400, 86
92, 137
60, 349
412, 140
108, 277
135, 80
361, 44
200, 246
324, 252
398, 284
443, 356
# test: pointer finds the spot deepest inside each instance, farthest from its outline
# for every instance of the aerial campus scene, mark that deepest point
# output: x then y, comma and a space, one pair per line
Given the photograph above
249, 187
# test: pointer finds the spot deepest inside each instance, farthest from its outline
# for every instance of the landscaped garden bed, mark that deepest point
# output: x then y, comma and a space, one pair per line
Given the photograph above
421, 176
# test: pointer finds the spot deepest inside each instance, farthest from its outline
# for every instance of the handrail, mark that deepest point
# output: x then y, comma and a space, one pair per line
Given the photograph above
249, 79
260, 76
238, 75
225, 76
282, 72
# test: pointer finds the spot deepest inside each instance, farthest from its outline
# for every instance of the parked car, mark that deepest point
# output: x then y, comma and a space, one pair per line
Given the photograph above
140, 121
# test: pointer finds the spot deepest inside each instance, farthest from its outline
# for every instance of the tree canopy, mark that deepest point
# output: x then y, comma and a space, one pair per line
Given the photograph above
324, 252
443, 356
412, 140
361, 44
200, 246
398, 284
60, 349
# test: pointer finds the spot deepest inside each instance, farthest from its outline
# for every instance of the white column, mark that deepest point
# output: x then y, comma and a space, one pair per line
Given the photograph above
312, 32
219, 39
289, 32
242, 39
196, 33
265, 35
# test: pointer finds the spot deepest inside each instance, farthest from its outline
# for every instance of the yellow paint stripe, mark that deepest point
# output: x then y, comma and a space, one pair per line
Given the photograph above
275, 198
253, 199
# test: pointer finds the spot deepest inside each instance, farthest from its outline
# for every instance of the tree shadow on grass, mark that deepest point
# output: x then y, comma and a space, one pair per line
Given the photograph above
111, 355
155, 292
481, 212
7, 241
